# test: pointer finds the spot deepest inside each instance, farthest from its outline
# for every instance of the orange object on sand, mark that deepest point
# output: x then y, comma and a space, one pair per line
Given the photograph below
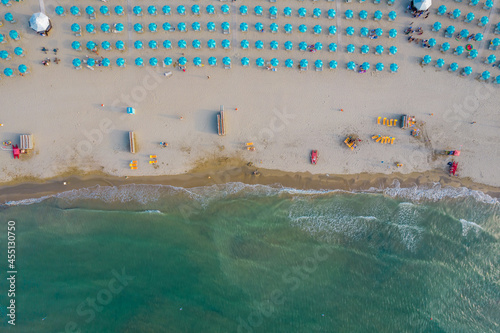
390, 123
392, 141
249, 144
133, 168
153, 162
251, 148
378, 120
152, 156
385, 119
379, 138
375, 136
395, 122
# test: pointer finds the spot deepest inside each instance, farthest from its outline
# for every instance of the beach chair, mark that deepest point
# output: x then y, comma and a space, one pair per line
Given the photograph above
378, 139
378, 120
384, 121
390, 123
395, 122
152, 156
153, 162
392, 140
375, 136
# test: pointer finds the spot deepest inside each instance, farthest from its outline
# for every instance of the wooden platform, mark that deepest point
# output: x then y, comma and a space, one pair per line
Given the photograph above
221, 122
131, 138
26, 141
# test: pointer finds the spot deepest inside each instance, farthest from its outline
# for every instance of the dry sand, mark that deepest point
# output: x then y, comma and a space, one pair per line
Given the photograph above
285, 113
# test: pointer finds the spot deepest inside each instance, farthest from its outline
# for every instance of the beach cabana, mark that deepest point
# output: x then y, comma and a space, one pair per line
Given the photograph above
139, 61
274, 62
473, 54
363, 32
244, 44
485, 75
349, 31
244, 26
303, 65
440, 63
167, 61
212, 61
182, 61
302, 12
445, 47
226, 44
426, 60
303, 28
333, 64
138, 45
243, 10
274, 45
393, 33
153, 44
245, 61
120, 62
436, 26
393, 50
153, 61
259, 62
196, 44
363, 15
365, 49
259, 45
467, 71
182, 44
210, 10
288, 45
351, 65
379, 49
211, 44
289, 63
302, 46
351, 48
332, 47
120, 45
453, 67
287, 11
331, 13
379, 67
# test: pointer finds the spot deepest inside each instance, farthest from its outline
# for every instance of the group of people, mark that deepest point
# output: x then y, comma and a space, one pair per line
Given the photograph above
417, 13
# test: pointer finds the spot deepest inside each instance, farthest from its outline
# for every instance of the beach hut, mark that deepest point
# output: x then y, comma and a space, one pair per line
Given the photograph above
379, 49
120, 45
167, 61
243, 10
453, 67
196, 44
288, 45
332, 30
302, 46
153, 44
166, 10
467, 71
211, 44
351, 65
319, 65
258, 10
303, 65
244, 27
259, 45
302, 28
302, 12
289, 63
274, 45
212, 61
244, 44
440, 63
379, 67
365, 49
473, 54
23, 69
351, 48
349, 14
392, 15
210, 10
485, 75
245, 61
426, 60
288, 28
445, 47
332, 47
436, 26
120, 62
442, 10
139, 61
333, 64
363, 15
287, 11
182, 44
259, 62
26, 142
273, 27
349, 31
393, 33
40, 23
331, 13
138, 45
167, 44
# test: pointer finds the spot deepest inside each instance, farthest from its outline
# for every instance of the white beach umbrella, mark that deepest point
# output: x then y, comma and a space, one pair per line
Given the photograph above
40, 22
422, 4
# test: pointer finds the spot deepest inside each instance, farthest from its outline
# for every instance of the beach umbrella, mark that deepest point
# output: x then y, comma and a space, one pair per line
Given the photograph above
442, 10
2, 38
288, 45
76, 45
302, 28
495, 42
393, 33
331, 13
181, 10
106, 62
485, 75
19, 51
119, 27
22, 69
318, 46
289, 63
273, 27
224, 9
59, 11
436, 26
4, 54
137, 10
211, 26
226, 44
351, 48
379, 49
450, 30
90, 10
453, 67
120, 45
139, 61
258, 10
77, 62
244, 27
166, 26
14, 34
106, 45
90, 28
363, 15
302, 12
488, 4
351, 65
332, 30
152, 10
196, 44
456, 13
491, 59
243, 10
138, 27
318, 63
259, 26
469, 17
211, 44
379, 32
105, 27
365, 49
302, 46
445, 47
166, 10
333, 64
259, 62
153, 44
473, 54
74, 10
440, 63
91, 62
273, 11
349, 31
377, 15
182, 61
120, 62
167, 44
349, 14
317, 29
181, 26
287, 11
153, 61
363, 32
467, 70
210, 9
464, 33
304, 63
152, 27
245, 61
274, 62
427, 59
119, 10
104, 10
182, 44
432, 42
197, 61
259, 45
288, 28
459, 50
212, 61
478, 37
196, 26
274, 45
484, 20
167, 61
138, 44
392, 15
365, 66
195, 9
75, 27
379, 66
225, 26
316, 12
332, 47
91, 45
393, 50
244, 44
394, 68
498, 79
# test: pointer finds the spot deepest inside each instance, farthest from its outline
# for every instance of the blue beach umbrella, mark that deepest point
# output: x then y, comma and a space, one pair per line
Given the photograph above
318, 63
18, 51
212, 61
153, 61
2, 38
442, 10
491, 59
167, 61
273, 27
365, 66
394, 67
392, 15
365, 49
119, 10
393, 33
106, 62
259, 62
498, 79
77, 62
226, 44
91, 62
225, 26
495, 42
363, 15
195, 9
120, 62
331, 13
224, 9
332, 30
302, 12
181, 10
456, 13
14, 34
138, 44
287, 11
211, 26
22, 69
440, 63
59, 11
453, 67
197, 61
244, 44
349, 14
273, 11
244, 27
196, 26
4, 54
288, 28
484, 20
333, 64
473, 54
379, 32
210, 10
459, 50
317, 29
274, 62
450, 30
211, 44
351, 65
332, 47
137, 10
274, 45
106, 45
182, 44
379, 49
153, 44
182, 61
181, 26
166, 26
316, 12
351, 48
196, 44
152, 10
318, 46
119, 27
288, 45
302, 46
105, 27
469, 17
243, 10
377, 15
76, 45
104, 10
393, 50
349, 31
479, 37
138, 27
245, 61
139, 61
91, 45
432, 42
152, 27
485, 75
259, 45
467, 70
304, 63
288, 63
258, 10
259, 26
90, 28
427, 59
488, 4
75, 27
90, 10
464, 33
74, 10
379, 66
166, 10
363, 32
120, 45
167, 44
445, 47
302, 28
436, 26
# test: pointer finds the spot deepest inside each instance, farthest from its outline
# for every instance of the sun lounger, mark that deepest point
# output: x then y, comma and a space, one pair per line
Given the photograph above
153, 162
378, 120
385, 119
375, 136
392, 141
152, 156
378, 139
390, 123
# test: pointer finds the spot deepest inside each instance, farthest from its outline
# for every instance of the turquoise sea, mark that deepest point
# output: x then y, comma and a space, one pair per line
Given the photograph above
241, 258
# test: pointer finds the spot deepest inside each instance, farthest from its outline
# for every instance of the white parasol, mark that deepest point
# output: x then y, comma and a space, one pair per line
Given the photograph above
40, 22
422, 4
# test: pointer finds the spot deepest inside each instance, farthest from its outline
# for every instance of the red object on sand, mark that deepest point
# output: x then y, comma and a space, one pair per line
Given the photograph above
314, 157
453, 168
15, 151
456, 153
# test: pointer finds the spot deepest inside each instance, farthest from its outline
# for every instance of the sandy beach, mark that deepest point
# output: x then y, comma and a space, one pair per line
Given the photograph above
79, 123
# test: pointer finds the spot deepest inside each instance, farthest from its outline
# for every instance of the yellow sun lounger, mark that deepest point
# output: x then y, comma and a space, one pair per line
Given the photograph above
375, 136
153, 162
133, 168
249, 144
390, 123
152, 156
378, 120
385, 119
392, 141
379, 138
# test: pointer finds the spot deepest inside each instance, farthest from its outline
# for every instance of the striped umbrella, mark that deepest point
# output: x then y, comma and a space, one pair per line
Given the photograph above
91, 45
485, 75
349, 14
453, 67
379, 32
273, 11
436, 26
139, 61
106, 62
77, 62
212, 61
119, 27
464, 33
302, 12
333, 64
440, 63
392, 15
318, 46
244, 27
304, 63
105, 27
90, 10
226, 44
90, 28
498, 79
197, 61
211, 44
495, 41
442, 10
302, 28
289, 63
456, 13
445, 47
491, 59
273, 27
181, 27
182, 44
152, 27
59, 10
332, 47
167, 61
351, 48
244, 44
245, 61
166, 10
74, 10
4, 55
288, 28
302, 46
427, 59
363, 15
19, 51
317, 29
393, 50
377, 15
393, 33
14, 35
349, 31
316, 12
379, 66
181, 10
432, 42
167, 44
469, 17
484, 20
363, 32
473, 54
138, 27
479, 37
2, 38
274, 45
225, 26
120, 45
318, 63
152, 10
459, 50
75, 27
287, 11
104, 10
379, 49
365, 66
259, 26
153, 61
91, 62
288, 45
211, 26
137, 10
365, 49
259, 62
450, 30
394, 68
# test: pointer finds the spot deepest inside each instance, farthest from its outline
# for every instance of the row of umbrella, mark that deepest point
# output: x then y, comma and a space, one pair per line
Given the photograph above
9, 72
6, 56
454, 66
365, 32
456, 13
13, 34
450, 30
363, 15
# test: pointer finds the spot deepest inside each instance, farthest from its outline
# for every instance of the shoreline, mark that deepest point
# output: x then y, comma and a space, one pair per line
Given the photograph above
242, 173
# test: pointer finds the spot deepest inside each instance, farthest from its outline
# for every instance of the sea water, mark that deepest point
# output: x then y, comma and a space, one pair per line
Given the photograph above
241, 258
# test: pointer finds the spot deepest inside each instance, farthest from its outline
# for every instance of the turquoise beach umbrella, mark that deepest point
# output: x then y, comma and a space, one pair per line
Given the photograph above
274, 62
244, 27
91, 45
445, 47
498, 79
90, 10
488, 4
258, 10
224, 9
138, 27
302, 46
442, 10
394, 68
450, 30
245, 61
196, 44
437, 26
259, 62
363, 14
351, 65
393, 50
288, 45
166, 10
302, 28
259, 26
74, 10
137, 10
226, 44
210, 9
106, 62
302, 12
349, 31
14, 35
331, 13
167, 61
243, 10
273, 11
393, 33
316, 12
244, 44
90, 28
195, 9
469, 17
459, 50
317, 29
332, 30
119, 10
379, 66
91, 62
392, 15
211, 26
333, 64
427, 59
365, 49
77, 62
496, 41
304, 63
152, 10
153, 61
456, 13
120, 62
289, 63
464, 33
225, 26
365, 66
104, 10
318, 63
75, 27
432, 42
288, 28
105, 27
196, 26
259, 45
22, 69
2, 38
59, 11
453, 67
138, 44
377, 15
274, 45
153, 44
351, 48
211, 44
152, 27
479, 37
363, 32
4, 54
76, 45
287, 11
181, 10
473, 54
18, 51
440, 63
167, 44
106, 45
212, 61
485, 75
182, 44
379, 32
119, 27
349, 14
332, 47
273, 27
139, 61
197, 61
182, 61
379, 49
166, 26
181, 26
120, 45
491, 58
318, 46
484, 20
